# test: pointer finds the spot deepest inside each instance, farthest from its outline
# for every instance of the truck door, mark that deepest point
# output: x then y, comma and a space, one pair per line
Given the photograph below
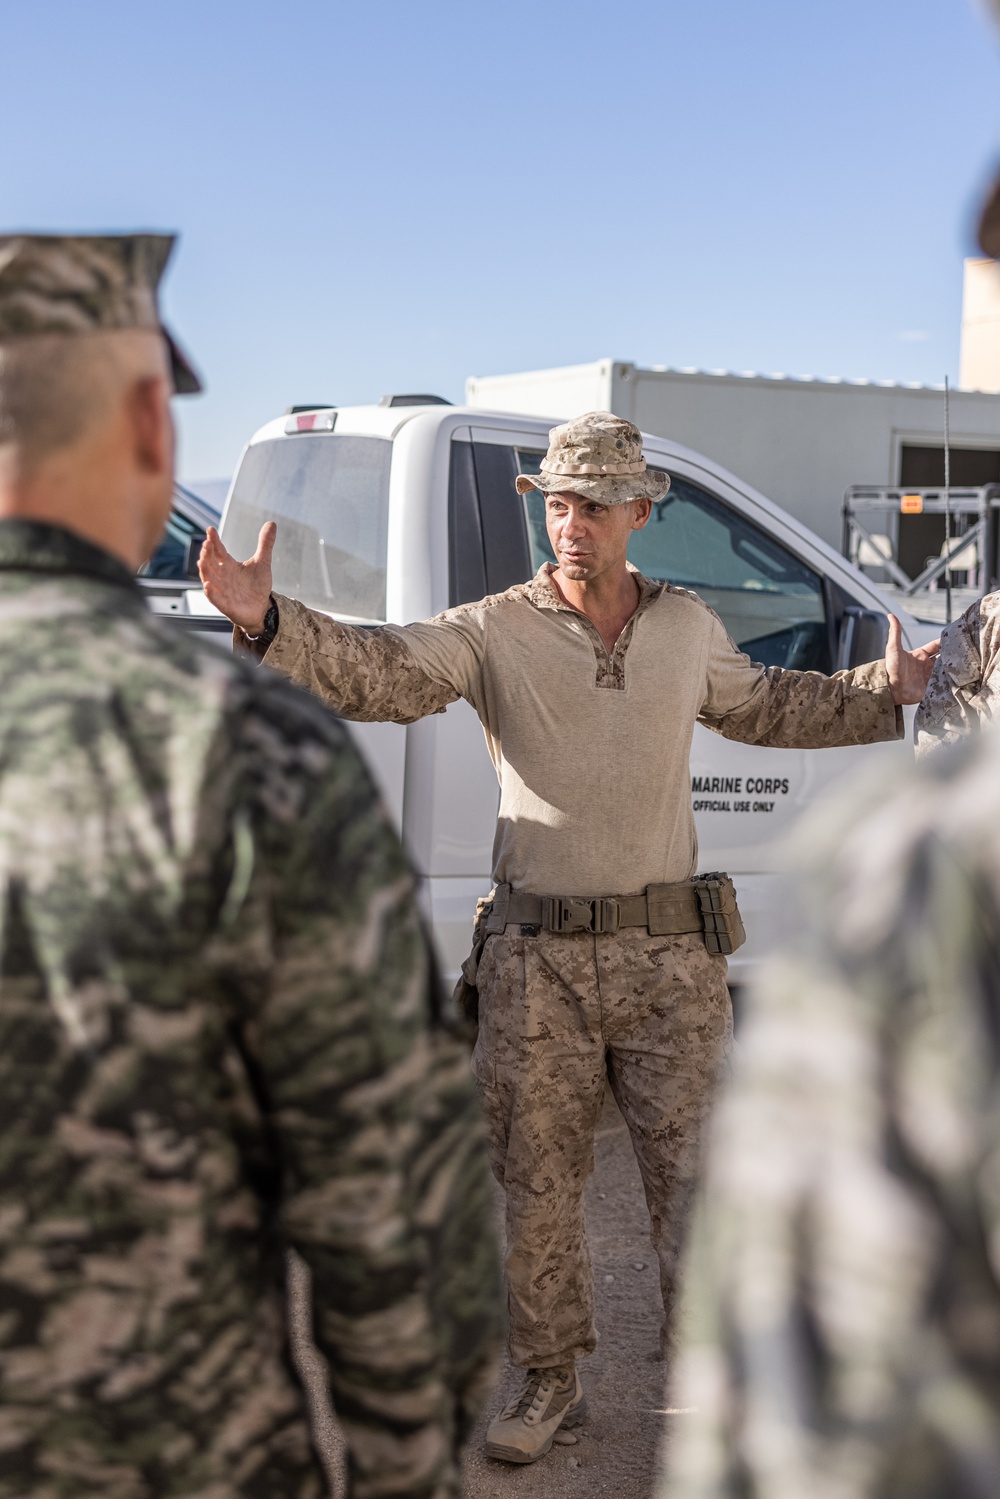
451, 793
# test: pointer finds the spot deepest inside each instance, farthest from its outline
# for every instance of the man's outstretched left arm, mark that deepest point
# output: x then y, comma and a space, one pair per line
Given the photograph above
806, 709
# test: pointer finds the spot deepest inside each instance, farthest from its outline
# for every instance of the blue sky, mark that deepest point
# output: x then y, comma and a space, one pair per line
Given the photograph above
392, 196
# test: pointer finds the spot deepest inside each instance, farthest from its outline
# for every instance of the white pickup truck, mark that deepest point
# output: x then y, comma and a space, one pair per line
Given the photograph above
397, 511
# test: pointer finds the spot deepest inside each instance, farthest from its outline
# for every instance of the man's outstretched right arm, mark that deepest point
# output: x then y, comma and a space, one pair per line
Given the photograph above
369, 675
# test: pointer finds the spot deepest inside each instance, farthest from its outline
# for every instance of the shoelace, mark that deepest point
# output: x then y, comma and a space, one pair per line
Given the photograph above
534, 1393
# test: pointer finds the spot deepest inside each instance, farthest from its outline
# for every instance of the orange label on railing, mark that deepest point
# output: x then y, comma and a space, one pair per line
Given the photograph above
911, 504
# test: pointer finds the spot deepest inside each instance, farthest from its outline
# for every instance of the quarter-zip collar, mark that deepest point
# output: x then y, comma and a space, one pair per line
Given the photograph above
37, 547
542, 592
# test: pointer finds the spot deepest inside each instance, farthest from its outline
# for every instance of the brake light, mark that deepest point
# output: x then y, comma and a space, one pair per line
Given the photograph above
311, 421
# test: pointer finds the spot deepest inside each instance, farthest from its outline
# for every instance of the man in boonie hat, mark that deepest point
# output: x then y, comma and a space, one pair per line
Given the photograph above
208, 941
597, 957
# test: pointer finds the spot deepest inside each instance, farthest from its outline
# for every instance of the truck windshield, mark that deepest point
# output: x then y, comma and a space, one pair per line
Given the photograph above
330, 497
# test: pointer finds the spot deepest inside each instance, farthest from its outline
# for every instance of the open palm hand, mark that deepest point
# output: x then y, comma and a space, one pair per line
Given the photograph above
909, 671
241, 590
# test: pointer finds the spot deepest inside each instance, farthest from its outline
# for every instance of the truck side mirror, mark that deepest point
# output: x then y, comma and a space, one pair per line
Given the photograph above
863, 637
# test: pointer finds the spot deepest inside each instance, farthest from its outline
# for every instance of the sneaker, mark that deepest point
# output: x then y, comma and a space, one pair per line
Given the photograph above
526, 1428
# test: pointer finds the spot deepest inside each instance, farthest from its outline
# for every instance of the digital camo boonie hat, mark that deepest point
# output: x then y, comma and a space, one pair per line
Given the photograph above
87, 283
597, 456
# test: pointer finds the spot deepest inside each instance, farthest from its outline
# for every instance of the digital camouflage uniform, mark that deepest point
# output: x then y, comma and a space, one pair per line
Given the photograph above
841, 1313
218, 1038
591, 749
964, 689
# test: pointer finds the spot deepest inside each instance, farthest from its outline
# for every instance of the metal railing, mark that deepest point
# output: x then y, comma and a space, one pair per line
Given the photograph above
975, 510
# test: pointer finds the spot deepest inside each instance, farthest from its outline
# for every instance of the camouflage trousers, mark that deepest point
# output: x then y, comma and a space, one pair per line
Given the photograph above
558, 1015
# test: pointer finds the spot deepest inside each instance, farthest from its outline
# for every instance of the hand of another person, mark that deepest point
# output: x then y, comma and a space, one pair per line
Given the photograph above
241, 590
909, 671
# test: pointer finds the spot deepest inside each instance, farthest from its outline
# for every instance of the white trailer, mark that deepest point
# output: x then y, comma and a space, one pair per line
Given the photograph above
803, 442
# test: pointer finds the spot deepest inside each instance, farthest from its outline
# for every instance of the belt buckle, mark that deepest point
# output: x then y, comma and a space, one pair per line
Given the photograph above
571, 914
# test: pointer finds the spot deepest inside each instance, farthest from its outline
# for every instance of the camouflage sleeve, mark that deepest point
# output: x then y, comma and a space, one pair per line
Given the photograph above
949, 710
386, 1192
368, 675
795, 709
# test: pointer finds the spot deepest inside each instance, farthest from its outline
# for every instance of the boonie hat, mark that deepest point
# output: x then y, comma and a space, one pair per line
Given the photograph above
87, 283
599, 457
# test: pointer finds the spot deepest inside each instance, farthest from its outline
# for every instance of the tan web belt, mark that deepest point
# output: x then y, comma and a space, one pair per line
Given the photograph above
662, 910
706, 905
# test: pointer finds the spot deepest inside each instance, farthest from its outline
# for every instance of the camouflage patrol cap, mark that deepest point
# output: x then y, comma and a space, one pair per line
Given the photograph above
597, 456
86, 283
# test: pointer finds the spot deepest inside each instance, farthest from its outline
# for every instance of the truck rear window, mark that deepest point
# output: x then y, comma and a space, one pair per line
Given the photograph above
330, 497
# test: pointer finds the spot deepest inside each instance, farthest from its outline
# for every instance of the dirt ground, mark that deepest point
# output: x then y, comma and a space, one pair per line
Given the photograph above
617, 1449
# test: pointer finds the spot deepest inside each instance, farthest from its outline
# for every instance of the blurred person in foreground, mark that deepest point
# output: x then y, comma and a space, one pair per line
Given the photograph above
841, 1317
964, 689
218, 1029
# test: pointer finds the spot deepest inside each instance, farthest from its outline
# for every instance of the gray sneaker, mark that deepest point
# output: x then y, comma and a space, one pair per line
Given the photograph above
525, 1429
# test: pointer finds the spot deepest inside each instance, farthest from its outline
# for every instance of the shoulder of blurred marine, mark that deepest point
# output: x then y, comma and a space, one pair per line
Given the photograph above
892, 851
82, 658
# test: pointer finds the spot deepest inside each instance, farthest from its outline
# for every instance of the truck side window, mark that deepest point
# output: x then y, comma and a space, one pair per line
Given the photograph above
771, 603
466, 560
488, 549
177, 553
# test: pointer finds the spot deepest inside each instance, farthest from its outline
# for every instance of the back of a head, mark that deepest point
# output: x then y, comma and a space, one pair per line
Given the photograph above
87, 370
58, 390
79, 320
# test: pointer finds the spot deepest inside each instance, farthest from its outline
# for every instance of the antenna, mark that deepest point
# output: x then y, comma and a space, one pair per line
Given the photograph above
947, 501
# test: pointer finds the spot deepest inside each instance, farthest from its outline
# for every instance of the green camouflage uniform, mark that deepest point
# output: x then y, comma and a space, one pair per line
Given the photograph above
841, 1324
217, 1039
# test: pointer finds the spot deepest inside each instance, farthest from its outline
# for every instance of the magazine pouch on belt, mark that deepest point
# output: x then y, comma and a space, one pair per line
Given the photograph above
720, 915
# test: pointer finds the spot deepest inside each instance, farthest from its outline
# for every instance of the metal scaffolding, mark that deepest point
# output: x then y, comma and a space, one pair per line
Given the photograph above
872, 515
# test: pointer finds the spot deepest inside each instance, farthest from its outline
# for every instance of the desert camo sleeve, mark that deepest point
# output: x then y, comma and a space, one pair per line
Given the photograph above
795, 709
964, 688
386, 1193
387, 673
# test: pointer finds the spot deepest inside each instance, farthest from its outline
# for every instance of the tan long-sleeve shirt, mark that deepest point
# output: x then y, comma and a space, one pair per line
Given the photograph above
591, 748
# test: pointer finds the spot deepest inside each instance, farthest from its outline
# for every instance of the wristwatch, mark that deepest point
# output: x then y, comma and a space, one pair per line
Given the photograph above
270, 626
